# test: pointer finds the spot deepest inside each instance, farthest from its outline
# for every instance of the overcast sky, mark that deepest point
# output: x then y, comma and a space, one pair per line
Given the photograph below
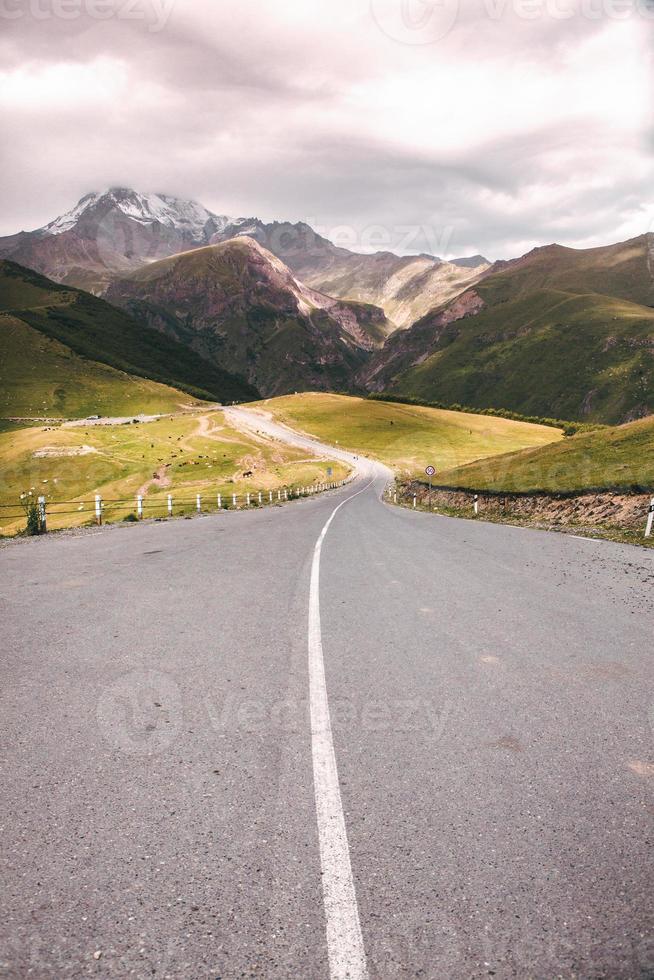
488, 126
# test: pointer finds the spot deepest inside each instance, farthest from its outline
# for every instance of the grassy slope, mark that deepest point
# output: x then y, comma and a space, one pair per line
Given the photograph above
405, 437
620, 270
543, 354
39, 377
206, 455
95, 330
619, 458
564, 333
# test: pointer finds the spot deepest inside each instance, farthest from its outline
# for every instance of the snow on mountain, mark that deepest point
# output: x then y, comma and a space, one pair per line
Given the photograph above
68, 220
119, 229
187, 217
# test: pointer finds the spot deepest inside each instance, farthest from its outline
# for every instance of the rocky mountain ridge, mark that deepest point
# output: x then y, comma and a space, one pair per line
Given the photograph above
238, 306
107, 234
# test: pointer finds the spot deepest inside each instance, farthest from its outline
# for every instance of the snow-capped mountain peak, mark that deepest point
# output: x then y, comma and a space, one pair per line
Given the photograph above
193, 221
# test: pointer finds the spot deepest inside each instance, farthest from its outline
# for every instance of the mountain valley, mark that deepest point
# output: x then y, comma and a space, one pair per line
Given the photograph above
558, 332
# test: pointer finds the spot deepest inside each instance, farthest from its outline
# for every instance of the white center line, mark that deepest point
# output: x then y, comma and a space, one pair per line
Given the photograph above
347, 957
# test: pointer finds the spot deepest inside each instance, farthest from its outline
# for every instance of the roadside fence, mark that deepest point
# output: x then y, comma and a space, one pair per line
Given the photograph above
101, 510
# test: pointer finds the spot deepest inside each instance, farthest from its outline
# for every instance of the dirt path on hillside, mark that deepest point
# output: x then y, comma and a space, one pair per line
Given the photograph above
160, 480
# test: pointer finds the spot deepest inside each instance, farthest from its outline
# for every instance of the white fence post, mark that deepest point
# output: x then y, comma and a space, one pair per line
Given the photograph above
234, 499
260, 497
279, 494
270, 495
98, 509
476, 504
42, 516
395, 497
650, 518
219, 500
198, 503
247, 499
414, 501
170, 505
285, 494
139, 507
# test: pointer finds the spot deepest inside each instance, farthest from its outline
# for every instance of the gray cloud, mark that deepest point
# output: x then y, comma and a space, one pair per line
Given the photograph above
504, 134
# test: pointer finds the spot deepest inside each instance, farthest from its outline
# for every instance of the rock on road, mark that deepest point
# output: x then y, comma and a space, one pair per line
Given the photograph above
491, 698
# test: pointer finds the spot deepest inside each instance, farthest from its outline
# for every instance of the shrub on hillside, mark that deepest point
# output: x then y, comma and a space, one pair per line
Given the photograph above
33, 522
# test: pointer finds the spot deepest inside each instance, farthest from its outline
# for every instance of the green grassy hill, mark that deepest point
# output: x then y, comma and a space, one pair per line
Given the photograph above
584, 357
561, 333
41, 378
620, 458
621, 270
405, 437
93, 348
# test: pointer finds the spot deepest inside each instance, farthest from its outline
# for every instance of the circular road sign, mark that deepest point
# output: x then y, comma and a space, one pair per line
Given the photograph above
430, 471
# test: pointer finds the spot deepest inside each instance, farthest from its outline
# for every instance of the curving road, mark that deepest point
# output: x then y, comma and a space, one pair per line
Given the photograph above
178, 801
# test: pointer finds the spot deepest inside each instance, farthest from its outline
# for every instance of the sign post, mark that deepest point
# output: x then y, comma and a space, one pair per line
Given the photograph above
42, 517
650, 519
430, 472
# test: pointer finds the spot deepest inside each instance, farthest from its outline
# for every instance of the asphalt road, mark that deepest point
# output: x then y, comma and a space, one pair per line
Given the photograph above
491, 699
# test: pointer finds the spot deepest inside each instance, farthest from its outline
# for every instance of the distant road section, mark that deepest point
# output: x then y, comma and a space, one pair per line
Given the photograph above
259, 421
